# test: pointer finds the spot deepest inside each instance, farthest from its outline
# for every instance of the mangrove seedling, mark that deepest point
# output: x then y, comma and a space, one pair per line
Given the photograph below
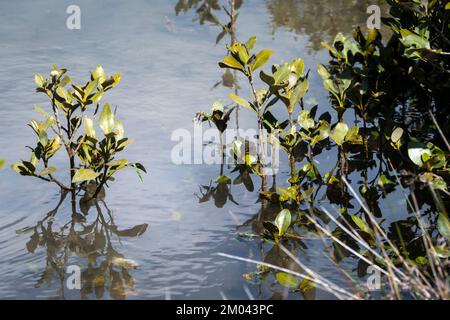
91, 158
242, 59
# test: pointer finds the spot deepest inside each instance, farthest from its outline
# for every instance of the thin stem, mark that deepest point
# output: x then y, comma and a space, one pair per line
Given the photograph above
260, 134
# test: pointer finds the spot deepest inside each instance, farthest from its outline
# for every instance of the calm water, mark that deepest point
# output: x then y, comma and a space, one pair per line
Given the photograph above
169, 66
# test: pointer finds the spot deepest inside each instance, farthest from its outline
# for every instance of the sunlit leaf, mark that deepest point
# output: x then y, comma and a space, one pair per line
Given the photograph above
287, 280
89, 129
283, 221
397, 135
416, 151
339, 133
305, 120
118, 130
99, 74
106, 120
323, 72
47, 171
240, 101
261, 59
250, 44
39, 80
362, 225
85, 175
231, 62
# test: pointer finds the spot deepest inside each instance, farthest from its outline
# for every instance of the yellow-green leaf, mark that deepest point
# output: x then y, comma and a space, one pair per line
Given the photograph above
231, 62
106, 120
100, 74
287, 280
89, 129
82, 175
298, 93
362, 225
283, 221
118, 130
240, 101
339, 133
323, 72
397, 135
90, 87
47, 171
39, 80
261, 59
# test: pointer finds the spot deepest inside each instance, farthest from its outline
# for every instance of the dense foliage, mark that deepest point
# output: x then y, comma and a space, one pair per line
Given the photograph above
397, 93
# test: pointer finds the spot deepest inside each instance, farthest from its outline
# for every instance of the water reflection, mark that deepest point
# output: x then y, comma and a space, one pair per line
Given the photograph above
319, 20
90, 236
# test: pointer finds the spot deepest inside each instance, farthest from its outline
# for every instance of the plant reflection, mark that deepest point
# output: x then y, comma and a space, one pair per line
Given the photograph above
105, 272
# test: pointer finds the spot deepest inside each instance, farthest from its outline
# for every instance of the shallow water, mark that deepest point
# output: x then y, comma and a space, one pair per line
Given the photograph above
169, 66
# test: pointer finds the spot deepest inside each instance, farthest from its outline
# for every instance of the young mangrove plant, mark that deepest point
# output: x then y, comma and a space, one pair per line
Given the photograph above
242, 59
69, 125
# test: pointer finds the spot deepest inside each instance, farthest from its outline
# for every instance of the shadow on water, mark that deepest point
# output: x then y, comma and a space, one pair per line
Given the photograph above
80, 251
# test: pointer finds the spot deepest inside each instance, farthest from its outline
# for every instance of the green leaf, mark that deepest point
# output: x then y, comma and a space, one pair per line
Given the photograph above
61, 92
118, 130
384, 181
443, 225
261, 59
240, 101
232, 63
39, 80
339, 133
282, 74
41, 111
138, 168
397, 135
89, 129
106, 120
298, 93
411, 39
287, 280
90, 87
305, 120
352, 135
283, 221
47, 171
362, 225
100, 74
250, 44
299, 66
323, 72
416, 151
85, 175
65, 81
243, 54
2, 163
